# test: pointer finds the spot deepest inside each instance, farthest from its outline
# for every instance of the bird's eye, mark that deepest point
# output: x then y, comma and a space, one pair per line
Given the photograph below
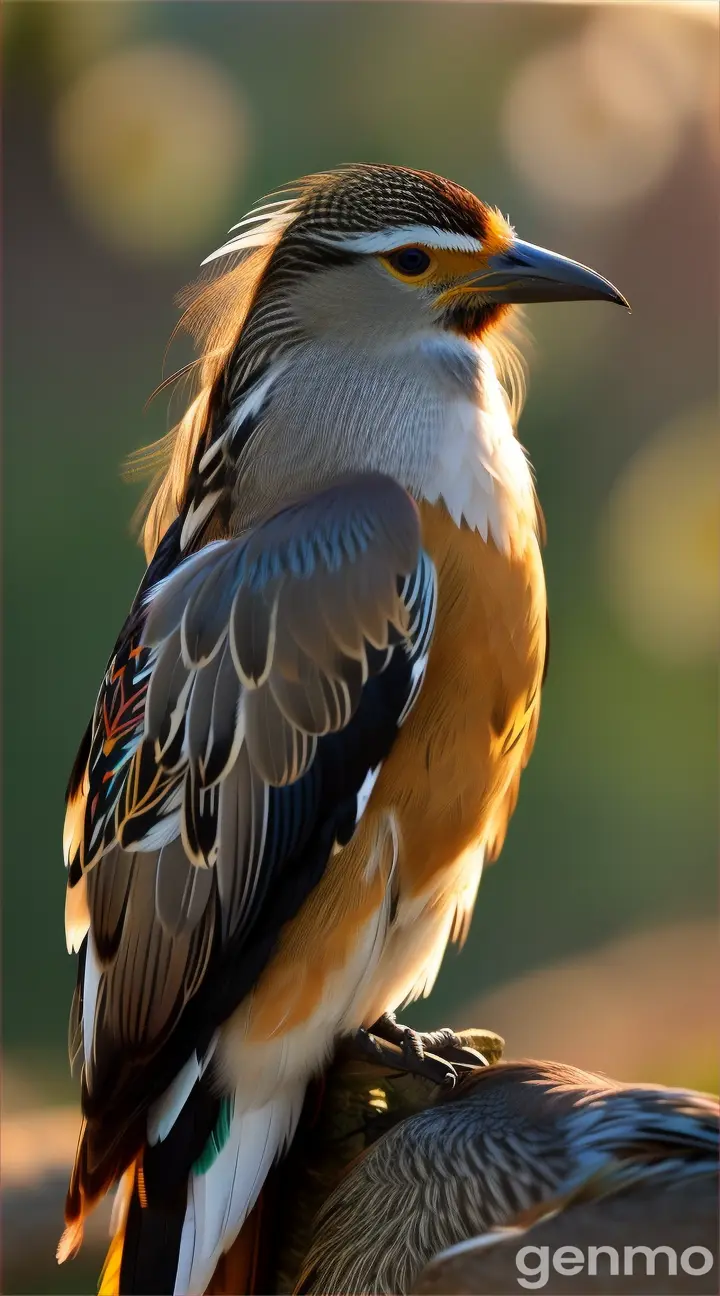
410, 261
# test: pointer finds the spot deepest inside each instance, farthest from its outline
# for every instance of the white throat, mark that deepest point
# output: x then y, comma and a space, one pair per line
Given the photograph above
480, 470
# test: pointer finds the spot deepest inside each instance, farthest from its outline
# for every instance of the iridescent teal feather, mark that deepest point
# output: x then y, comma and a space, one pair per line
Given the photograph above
218, 1138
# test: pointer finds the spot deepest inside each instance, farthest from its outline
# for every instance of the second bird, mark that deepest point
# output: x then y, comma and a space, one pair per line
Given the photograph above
312, 728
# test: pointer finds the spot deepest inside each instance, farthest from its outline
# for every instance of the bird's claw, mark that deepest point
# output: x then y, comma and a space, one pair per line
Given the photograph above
438, 1056
443, 1043
409, 1056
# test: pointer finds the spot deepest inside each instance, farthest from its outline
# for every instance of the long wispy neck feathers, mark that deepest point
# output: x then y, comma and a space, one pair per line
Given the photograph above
214, 314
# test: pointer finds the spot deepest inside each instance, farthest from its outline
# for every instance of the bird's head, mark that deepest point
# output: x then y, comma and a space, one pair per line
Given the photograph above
350, 282
378, 252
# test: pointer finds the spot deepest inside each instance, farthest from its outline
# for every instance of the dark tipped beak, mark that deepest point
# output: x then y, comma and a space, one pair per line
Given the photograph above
526, 273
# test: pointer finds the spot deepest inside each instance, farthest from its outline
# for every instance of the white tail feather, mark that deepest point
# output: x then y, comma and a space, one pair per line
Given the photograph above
220, 1200
163, 1113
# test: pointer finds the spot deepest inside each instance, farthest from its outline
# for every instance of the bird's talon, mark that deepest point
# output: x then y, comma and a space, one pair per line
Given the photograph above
417, 1045
409, 1055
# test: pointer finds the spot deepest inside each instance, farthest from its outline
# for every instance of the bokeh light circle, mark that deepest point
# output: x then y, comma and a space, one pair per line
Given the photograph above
660, 542
149, 144
636, 57
586, 135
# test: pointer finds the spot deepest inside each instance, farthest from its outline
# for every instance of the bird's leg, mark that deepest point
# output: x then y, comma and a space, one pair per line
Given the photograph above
445, 1043
365, 1045
440, 1057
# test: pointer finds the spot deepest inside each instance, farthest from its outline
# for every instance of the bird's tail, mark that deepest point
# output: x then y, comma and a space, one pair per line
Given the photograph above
170, 1227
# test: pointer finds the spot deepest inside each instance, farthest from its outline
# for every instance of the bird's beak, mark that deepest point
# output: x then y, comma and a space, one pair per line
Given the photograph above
525, 273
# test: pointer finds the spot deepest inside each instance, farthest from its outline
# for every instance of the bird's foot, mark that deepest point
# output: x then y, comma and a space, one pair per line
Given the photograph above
416, 1045
389, 1055
440, 1057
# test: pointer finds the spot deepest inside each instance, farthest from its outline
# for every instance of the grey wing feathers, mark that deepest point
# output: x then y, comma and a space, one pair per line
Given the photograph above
257, 647
293, 607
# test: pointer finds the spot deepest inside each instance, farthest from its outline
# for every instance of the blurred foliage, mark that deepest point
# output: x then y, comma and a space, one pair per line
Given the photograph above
616, 826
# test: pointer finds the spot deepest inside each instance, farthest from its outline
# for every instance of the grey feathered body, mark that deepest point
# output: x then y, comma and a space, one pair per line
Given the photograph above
516, 1135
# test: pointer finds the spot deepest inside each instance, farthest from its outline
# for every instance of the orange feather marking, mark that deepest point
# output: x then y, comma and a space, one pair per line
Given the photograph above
75, 820
238, 1270
499, 234
142, 1190
109, 1284
77, 913
71, 1241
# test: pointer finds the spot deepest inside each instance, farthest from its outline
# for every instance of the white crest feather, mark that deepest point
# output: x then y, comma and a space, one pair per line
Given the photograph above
261, 226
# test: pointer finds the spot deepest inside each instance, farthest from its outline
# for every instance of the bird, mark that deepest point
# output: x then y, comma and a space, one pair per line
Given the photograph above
311, 729
523, 1153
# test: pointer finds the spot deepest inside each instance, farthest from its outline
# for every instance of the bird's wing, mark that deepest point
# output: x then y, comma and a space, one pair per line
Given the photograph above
252, 693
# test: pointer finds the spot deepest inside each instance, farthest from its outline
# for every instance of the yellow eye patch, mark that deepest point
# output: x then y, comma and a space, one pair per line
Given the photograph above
421, 265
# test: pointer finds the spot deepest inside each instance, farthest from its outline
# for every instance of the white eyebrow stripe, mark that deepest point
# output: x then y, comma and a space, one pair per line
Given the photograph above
398, 236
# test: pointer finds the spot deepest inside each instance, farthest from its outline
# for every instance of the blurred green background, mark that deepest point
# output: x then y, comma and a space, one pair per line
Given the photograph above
135, 135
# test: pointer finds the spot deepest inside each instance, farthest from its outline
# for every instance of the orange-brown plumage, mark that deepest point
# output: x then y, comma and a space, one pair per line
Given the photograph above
463, 746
